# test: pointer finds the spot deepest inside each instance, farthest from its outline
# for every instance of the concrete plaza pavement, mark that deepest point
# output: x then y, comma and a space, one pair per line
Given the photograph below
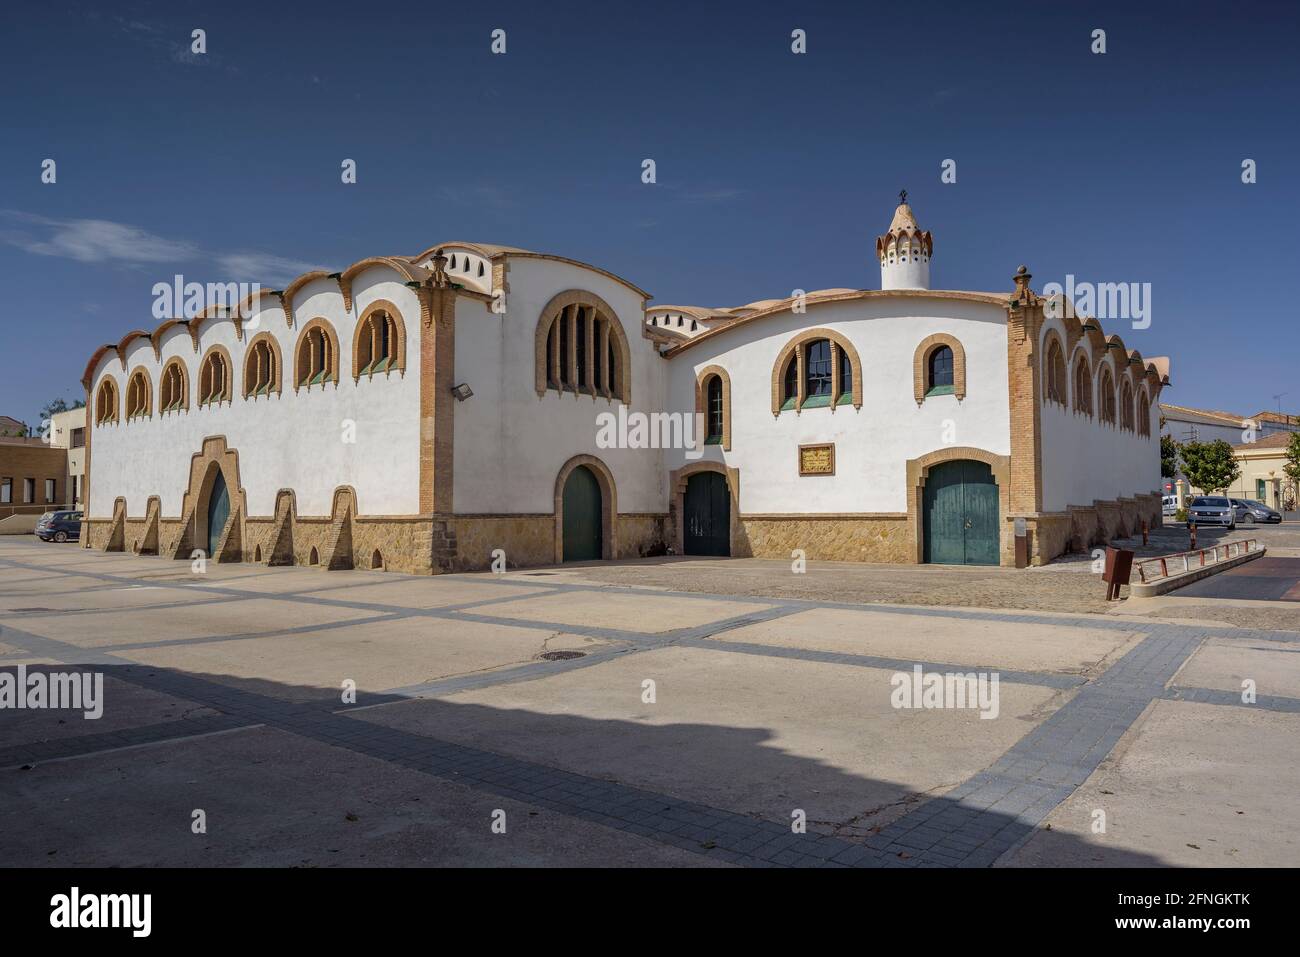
666, 726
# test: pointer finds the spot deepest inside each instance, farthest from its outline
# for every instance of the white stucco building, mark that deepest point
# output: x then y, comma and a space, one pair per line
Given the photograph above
423, 412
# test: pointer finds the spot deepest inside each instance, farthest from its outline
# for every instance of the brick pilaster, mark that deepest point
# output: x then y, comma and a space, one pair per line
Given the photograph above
1024, 323
437, 404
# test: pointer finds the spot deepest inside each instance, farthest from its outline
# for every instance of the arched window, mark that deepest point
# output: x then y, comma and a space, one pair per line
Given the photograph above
106, 402
714, 411
214, 378
380, 342
1054, 387
173, 389
819, 367
318, 355
1126, 406
939, 368
1082, 386
1106, 396
1144, 415
939, 379
262, 367
138, 395
581, 348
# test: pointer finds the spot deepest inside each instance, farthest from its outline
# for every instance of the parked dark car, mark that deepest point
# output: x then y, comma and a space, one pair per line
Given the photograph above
1249, 510
59, 527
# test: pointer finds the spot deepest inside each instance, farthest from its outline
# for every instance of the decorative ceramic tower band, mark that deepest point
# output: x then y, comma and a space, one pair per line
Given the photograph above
904, 251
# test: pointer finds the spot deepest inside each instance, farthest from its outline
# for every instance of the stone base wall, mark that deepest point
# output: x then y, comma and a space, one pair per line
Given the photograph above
404, 544
641, 535
527, 540
1091, 526
834, 538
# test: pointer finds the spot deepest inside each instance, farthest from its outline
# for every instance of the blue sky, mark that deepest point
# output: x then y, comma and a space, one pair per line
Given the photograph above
775, 171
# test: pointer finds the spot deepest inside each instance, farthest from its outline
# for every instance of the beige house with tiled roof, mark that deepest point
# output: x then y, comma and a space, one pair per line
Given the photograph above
1263, 476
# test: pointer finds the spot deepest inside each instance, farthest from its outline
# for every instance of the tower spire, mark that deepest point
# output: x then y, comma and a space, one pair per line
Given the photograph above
904, 251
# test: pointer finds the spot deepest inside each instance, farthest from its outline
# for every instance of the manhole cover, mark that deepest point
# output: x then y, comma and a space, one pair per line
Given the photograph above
563, 655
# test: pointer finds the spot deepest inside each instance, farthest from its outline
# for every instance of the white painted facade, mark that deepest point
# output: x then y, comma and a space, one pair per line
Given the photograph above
872, 444
510, 444
293, 440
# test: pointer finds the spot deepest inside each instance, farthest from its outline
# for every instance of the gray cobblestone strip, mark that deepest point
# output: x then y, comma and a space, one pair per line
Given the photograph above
39, 752
984, 817
1064, 682
1268, 702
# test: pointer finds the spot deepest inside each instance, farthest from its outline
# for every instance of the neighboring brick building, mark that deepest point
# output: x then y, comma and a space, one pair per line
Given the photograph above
33, 479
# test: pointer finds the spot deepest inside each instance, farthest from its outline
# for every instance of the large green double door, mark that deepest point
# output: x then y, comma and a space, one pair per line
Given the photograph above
960, 511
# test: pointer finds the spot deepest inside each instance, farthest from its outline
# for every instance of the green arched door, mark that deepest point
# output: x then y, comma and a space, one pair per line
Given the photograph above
218, 512
706, 515
960, 511
582, 522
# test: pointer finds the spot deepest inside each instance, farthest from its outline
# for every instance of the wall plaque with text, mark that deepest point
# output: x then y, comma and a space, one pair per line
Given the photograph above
817, 459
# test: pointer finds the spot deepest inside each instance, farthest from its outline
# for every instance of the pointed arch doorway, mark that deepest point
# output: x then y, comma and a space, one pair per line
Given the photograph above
218, 512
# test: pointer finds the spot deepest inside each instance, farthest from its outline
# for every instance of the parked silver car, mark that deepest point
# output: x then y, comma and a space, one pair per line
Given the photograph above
1249, 510
1212, 510
1169, 505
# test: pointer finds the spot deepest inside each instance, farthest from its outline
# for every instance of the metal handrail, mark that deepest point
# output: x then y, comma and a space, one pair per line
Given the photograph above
1212, 555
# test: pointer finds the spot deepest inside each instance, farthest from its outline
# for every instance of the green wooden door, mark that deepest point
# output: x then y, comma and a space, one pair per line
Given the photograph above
218, 513
706, 515
960, 511
582, 501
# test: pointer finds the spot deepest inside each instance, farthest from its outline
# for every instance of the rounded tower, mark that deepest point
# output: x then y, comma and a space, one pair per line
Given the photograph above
905, 251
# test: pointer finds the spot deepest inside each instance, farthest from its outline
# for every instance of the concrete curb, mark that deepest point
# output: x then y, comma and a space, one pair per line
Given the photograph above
1150, 589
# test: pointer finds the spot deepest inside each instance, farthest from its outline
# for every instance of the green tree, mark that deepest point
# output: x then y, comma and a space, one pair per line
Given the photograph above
55, 406
1210, 466
1292, 466
1168, 457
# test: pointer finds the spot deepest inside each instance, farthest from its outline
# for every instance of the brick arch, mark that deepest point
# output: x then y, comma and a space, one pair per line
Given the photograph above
300, 368
918, 470
794, 349
107, 401
555, 310
141, 375
702, 401
277, 379
398, 363
1107, 385
921, 365
608, 505
184, 374
224, 354
677, 481
1053, 338
1085, 404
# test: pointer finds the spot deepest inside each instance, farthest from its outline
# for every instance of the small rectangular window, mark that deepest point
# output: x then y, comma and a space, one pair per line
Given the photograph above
6, 491
29, 490
49, 490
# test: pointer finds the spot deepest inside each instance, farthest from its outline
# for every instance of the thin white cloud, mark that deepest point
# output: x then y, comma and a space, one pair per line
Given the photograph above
264, 268
92, 240
103, 241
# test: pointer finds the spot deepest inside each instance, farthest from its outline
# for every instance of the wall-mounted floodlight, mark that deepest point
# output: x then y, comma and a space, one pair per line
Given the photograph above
462, 392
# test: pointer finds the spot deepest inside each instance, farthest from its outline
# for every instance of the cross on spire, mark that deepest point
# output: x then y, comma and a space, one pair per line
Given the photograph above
902, 197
